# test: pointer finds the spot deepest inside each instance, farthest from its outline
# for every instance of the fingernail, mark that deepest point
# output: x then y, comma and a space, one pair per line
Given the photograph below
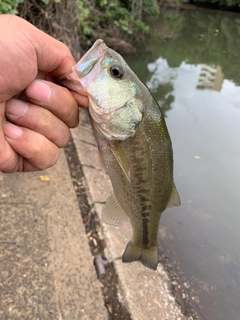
12, 131
16, 108
39, 91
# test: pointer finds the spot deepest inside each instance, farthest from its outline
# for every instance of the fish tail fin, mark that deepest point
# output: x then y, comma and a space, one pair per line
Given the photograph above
148, 257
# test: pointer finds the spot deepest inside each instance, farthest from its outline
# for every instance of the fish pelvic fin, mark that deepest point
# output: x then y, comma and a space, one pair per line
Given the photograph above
148, 257
112, 213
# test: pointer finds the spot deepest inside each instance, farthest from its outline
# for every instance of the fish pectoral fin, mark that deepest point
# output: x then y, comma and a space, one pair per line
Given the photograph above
148, 257
121, 159
174, 199
112, 213
102, 164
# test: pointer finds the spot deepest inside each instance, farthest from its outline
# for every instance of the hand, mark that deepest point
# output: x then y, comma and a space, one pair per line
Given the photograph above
35, 112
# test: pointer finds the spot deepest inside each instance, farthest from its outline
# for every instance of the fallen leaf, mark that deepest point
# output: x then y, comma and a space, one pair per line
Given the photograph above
109, 308
158, 303
44, 178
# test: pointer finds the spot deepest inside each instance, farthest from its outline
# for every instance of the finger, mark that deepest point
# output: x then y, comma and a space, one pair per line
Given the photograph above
36, 151
55, 98
82, 101
8, 157
38, 119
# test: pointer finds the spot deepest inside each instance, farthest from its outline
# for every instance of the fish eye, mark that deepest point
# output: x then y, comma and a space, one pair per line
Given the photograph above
117, 71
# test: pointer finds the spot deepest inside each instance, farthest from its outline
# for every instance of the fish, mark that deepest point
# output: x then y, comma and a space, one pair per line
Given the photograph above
134, 146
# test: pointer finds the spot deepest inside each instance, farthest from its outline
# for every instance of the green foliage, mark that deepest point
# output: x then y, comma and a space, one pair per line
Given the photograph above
96, 18
114, 12
9, 6
84, 17
108, 17
150, 7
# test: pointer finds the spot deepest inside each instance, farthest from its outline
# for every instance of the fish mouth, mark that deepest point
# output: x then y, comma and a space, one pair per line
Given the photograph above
75, 79
88, 61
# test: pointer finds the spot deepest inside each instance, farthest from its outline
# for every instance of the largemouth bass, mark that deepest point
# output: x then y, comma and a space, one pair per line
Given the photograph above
134, 145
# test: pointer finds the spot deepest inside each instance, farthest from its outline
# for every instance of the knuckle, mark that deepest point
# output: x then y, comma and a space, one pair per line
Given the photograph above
45, 154
67, 138
68, 108
8, 160
64, 139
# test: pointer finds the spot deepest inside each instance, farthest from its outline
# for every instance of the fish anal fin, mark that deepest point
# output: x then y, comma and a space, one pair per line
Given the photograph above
148, 257
112, 213
121, 159
174, 199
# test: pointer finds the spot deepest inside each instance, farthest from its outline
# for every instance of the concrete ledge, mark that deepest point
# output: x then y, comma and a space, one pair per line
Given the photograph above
46, 268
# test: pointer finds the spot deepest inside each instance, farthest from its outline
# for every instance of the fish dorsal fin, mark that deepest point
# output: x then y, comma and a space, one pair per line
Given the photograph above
121, 159
112, 213
174, 199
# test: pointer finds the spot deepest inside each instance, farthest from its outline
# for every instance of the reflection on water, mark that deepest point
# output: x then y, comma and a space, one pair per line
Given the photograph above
200, 96
210, 77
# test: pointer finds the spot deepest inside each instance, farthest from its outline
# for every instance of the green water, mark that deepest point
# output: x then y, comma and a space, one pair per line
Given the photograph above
192, 67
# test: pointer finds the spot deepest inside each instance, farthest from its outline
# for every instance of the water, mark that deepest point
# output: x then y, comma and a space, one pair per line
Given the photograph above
192, 67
